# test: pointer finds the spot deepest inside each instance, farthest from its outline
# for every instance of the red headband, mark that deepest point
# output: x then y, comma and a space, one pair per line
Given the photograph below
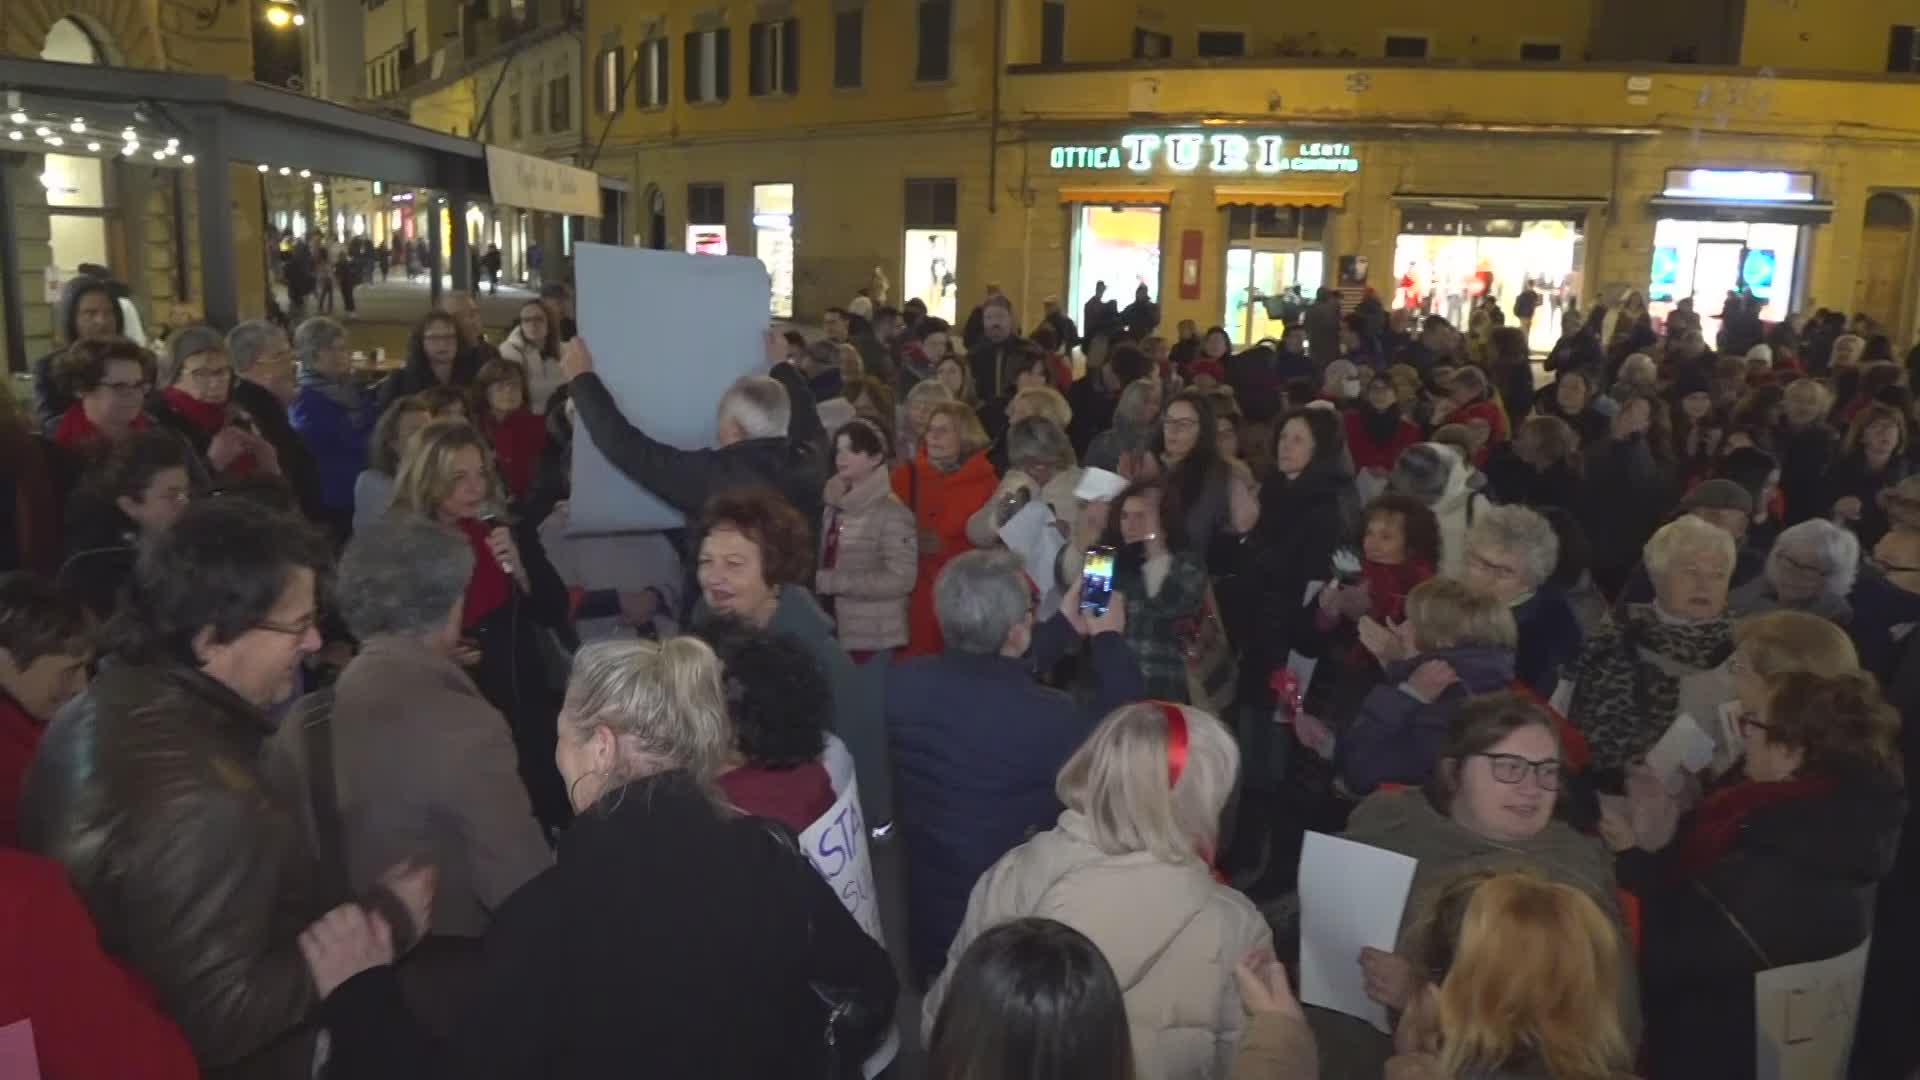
1176, 741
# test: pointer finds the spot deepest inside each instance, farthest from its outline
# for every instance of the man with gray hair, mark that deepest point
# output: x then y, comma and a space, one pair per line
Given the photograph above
423, 768
265, 385
1512, 554
753, 448
977, 741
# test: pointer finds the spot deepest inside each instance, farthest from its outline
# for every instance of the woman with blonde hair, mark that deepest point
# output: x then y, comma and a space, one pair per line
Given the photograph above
515, 612
669, 923
944, 485
910, 422
1520, 962
1130, 866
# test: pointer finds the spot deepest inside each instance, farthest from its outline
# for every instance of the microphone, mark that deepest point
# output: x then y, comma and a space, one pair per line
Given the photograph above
492, 519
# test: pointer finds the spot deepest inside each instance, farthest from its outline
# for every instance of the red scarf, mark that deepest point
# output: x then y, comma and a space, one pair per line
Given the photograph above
209, 417
1715, 828
487, 588
76, 432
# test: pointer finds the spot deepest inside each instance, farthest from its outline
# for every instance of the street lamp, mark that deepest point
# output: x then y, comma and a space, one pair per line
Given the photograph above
282, 14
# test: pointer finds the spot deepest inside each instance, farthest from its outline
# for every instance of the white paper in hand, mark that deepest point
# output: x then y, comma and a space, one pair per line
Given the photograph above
1352, 897
1805, 1016
1685, 748
670, 333
1097, 484
1030, 534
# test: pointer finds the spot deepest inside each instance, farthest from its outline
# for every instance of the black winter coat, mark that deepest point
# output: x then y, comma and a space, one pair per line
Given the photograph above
686, 479
297, 463
1302, 523
1805, 456
1627, 494
1851, 476
669, 941
1797, 886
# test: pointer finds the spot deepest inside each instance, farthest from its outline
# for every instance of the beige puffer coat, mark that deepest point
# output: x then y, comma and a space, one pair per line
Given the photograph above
876, 556
1172, 933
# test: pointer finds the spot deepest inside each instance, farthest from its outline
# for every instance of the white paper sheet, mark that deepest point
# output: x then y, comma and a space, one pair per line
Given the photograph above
1096, 484
1685, 748
1805, 1017
670, 332
1030, 534
1352, 897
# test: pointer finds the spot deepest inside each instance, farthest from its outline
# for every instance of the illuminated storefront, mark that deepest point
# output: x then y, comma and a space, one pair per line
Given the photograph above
773, 241
1276, 263
1725, 230
1452, 251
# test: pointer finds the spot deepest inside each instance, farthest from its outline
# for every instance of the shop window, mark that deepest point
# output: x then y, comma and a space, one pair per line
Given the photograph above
849, 29
608, 79
706, 64
1903, 49
1541, 52
538, 112
931, 246
1053, 32
773, 58
935, 62
1444, 263
650, 74
1276, 222
1406, 47
1117, 245
1220, 43
1150, 45
560, 104
707, 219
773, 242
513, 118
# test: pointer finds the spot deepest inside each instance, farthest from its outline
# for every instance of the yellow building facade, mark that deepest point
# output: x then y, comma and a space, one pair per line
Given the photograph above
1220, 155
76, 207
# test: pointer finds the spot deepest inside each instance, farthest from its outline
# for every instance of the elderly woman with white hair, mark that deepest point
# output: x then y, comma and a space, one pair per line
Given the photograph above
1811, 568
1129, 864
673, 935
1040, 465
1627, 685
333, 414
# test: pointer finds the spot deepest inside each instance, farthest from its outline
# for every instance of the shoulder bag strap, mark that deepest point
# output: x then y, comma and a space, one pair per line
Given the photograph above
1766, 962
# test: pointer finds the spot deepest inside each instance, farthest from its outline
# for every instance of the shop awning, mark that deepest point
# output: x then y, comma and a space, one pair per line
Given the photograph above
1518, 207
1258, 196
1117, 196
1756, 212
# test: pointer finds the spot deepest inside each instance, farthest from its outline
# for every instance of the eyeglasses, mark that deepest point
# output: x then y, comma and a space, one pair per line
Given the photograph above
1750, 723
126, 389
209, 375
1487, 566
1179, 423
1512, 768
299, 628
442, 337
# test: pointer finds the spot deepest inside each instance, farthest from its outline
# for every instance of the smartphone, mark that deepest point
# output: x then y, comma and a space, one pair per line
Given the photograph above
1096, 581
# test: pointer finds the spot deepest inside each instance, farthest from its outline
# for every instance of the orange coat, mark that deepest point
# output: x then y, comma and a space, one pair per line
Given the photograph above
941, 504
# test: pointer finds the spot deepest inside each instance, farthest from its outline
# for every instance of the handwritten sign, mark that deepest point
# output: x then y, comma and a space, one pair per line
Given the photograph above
1805, 1016
836, 845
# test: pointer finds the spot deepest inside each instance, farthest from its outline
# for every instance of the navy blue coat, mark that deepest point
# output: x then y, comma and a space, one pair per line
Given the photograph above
1550, 638
976, 745
1396, 739
336, 432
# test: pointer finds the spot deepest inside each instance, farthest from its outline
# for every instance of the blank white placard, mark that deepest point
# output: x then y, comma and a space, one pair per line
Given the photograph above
669, 332
1352, 897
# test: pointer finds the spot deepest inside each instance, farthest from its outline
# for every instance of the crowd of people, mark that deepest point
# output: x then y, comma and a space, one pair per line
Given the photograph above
329, 748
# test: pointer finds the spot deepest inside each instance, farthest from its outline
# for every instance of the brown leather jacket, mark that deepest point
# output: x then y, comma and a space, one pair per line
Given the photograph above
153, 792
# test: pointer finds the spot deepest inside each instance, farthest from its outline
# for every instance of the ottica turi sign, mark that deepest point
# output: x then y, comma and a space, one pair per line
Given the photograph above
1227, 153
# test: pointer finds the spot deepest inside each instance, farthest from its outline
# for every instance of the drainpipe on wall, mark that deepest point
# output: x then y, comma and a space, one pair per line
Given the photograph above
993, 128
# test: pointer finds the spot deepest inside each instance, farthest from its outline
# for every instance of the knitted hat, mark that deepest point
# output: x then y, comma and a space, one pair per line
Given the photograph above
190, 342
1719, 495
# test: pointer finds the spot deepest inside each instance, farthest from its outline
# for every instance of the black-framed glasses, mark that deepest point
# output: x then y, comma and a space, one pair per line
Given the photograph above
1750, 723
299, 628
1512, 768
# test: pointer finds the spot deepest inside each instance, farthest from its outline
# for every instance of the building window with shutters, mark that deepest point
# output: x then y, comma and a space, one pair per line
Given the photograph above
706, 63
930, 246
1151, 45
935, 60
1053, 32
1217, 43
706, 219
1406, 47
1903, 49
650, 74
773, 58
849, 29
560, 104
607, 80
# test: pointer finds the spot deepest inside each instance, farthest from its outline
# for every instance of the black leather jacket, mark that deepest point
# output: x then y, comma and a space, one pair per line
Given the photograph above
152, 790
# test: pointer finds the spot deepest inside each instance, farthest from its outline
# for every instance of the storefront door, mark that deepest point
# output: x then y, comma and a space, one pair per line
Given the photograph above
1266, 284
1442, 266
1118, 245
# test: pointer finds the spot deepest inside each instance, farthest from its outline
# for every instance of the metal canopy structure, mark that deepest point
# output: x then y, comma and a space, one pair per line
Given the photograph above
218, 121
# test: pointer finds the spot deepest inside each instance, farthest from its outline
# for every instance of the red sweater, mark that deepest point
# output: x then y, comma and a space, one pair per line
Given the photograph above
1369, 453
487, 588
795, 797
518, 442
91, 1019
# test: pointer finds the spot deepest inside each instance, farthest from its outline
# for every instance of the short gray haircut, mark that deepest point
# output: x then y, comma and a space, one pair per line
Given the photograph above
1517, 530
1118, 781
759, 404
186, 344
1837, 549
247, 341
1036, 440
979, 598
1638, 369
1133, 399
315, 336
929, 392
1688, 535
664, 702
402, 574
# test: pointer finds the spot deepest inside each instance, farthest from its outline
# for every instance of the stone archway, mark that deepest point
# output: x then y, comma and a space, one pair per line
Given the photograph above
122, 34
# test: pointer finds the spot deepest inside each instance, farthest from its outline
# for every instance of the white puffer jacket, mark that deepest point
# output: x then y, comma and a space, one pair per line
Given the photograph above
543, 374
1171, 932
